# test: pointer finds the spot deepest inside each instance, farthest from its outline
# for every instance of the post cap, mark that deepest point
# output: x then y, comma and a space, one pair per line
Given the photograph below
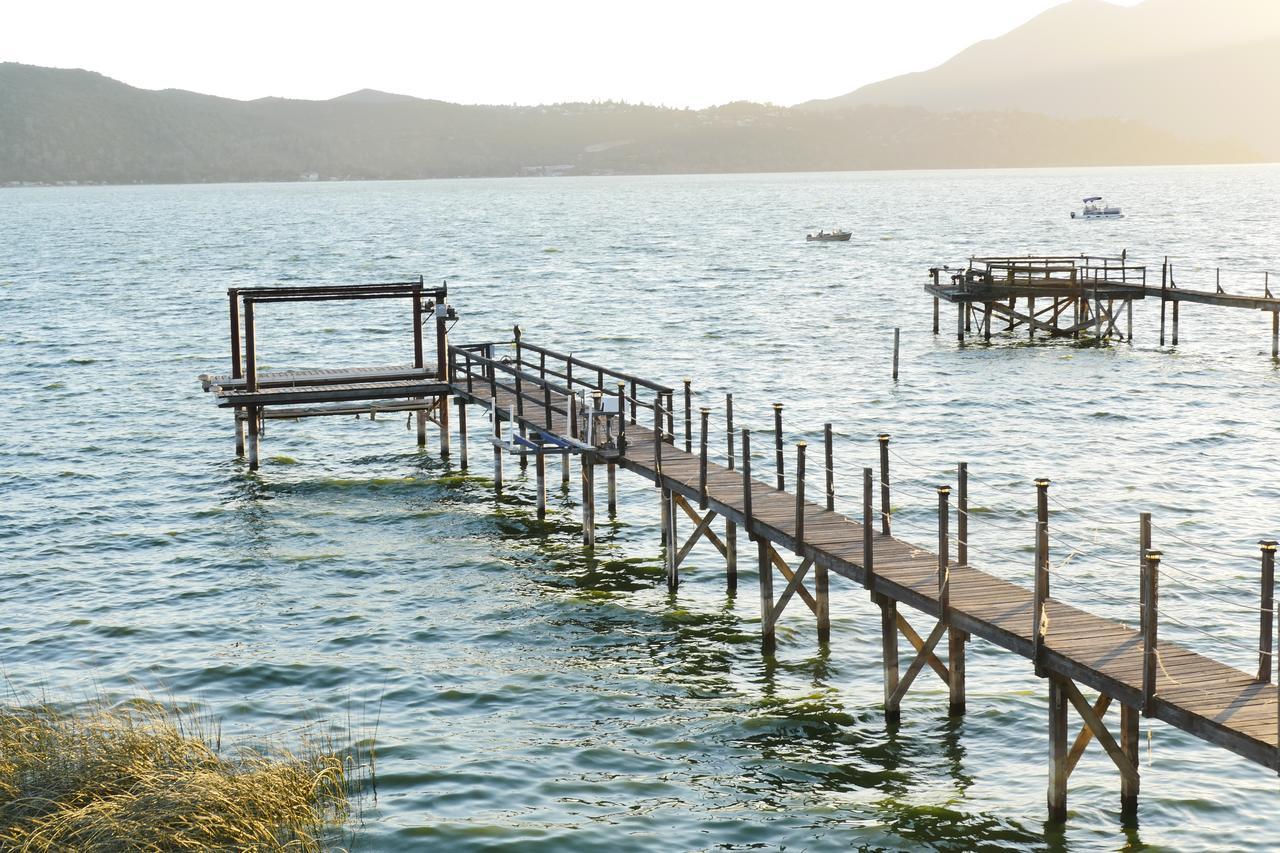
597, 393
884, 436
1042, 482
1267, 544
802, 444
777, 406
1155, 555
705, 411
686, 380
944, 490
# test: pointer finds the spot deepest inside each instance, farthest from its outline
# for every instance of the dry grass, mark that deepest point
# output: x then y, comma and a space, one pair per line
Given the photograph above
146, 778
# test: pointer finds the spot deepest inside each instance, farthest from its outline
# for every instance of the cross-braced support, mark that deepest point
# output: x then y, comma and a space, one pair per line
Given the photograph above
770, 611
1064, 693
893, 623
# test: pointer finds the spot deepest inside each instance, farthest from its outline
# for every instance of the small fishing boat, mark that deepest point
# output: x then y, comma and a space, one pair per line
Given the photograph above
1096, 208
836, 236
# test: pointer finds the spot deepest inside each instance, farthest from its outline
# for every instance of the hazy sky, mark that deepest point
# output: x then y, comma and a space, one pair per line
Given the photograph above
691, 53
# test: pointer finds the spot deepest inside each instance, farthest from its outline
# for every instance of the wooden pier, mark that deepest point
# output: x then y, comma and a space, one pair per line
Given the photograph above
539, 402
1076, 296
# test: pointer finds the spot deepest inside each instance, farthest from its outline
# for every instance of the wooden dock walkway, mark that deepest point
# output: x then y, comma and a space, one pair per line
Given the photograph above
1080, 296
541, 403
1211, 700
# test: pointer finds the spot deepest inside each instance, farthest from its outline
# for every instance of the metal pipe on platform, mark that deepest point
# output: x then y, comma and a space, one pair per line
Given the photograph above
830, 467
1041, 595
1267, 618
688, 416
702, 458
777, 446
1150, 636
801, 446
944, 552
868, 523
884, 482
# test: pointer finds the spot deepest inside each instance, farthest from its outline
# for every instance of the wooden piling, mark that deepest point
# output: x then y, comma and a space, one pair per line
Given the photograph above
1150, 636
778, 465
240, 419
1176, 303
540, 467
1128, 332
611, 476
1266, 611
889, 656
1031, 315
960, 322
462, 432
1129, 746
730, 526
1275, 334
251, 382
935, 315
896, 337
588, 501
956, 640
822, 596
767, 638
883, 438
1057, 798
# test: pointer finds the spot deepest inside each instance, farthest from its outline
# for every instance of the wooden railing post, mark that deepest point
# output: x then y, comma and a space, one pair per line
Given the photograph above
1266, 615
1150, 636
777, 446
801, 446
884, 482
702, 458
868, 522
622, 418
962, 513
635, 392
944, 551
830, 467
1041, 595
657, 438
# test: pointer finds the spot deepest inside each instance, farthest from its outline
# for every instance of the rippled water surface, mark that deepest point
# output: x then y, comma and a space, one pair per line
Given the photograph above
528, 695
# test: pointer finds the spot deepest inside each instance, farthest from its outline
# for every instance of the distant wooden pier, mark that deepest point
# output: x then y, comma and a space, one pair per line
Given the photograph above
1076, 296
540, 403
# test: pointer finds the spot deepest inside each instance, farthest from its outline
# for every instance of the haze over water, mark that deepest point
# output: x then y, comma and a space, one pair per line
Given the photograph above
530, 696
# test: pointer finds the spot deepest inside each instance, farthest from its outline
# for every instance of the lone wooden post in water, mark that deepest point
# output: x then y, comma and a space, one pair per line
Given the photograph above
896, 335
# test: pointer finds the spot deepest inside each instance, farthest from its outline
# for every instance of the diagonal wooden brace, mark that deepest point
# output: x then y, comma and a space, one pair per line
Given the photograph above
793, 585
1092, 716
788, 574
917, 665
703, 529
917, 643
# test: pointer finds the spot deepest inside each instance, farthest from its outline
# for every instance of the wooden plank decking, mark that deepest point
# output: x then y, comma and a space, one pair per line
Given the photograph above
1204, 697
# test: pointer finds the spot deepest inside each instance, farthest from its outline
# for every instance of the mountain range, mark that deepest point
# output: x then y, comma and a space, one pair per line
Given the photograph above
1085, 83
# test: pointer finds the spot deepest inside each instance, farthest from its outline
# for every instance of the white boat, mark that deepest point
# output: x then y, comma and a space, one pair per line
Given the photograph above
1096, 208
837, 235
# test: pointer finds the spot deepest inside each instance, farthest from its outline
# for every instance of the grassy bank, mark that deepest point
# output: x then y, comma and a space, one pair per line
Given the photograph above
146, 778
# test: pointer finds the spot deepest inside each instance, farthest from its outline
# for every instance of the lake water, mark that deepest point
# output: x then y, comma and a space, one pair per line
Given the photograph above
530, 696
